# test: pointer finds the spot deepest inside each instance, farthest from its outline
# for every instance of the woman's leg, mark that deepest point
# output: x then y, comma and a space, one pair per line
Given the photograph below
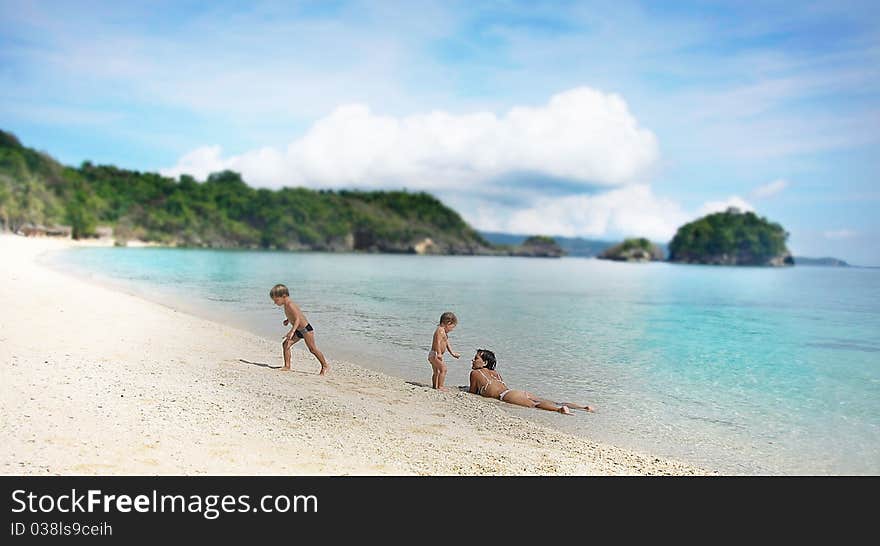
550, 406
527, 399
578, 406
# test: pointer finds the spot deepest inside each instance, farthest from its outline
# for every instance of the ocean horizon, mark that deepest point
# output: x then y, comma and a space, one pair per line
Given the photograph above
743, 370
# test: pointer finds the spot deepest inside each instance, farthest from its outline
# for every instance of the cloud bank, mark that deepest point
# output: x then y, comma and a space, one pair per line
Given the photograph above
582, 135
629, 211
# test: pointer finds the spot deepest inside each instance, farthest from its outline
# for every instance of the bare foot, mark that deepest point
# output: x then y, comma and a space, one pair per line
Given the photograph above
284, 368
590, 409
324, 370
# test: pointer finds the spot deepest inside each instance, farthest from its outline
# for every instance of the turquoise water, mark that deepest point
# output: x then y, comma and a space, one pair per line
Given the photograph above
743, 370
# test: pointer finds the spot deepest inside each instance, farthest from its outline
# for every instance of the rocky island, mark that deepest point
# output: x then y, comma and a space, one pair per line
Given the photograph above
732, 237
538, 246
633, 250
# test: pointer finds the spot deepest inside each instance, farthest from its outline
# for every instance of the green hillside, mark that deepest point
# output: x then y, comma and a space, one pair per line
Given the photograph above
731, 238
220, 212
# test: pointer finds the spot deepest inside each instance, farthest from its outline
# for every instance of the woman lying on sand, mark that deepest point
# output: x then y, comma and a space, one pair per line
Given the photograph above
485, 381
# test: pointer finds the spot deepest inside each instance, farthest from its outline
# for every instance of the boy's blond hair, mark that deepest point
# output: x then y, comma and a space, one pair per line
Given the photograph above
279, 290
448, 318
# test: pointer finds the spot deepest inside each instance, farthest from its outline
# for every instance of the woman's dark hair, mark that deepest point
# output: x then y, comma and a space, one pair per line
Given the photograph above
488, 357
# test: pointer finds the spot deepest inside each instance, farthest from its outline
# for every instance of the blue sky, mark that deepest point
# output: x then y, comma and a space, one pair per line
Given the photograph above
599, 119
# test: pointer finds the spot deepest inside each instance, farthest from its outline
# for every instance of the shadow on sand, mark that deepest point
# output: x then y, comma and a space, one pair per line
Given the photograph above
427, 386
261, 364
271, 367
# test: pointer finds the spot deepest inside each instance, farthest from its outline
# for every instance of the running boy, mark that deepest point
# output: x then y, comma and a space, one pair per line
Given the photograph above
299, 328
439, 345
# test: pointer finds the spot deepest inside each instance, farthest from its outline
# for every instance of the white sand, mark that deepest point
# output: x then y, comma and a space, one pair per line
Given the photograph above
94, 381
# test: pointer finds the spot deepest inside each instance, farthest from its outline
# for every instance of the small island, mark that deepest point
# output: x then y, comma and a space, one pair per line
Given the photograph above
535, 246
732, 237
633, 250
538, 246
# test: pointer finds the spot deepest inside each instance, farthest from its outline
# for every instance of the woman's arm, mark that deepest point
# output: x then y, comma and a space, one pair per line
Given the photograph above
473, 387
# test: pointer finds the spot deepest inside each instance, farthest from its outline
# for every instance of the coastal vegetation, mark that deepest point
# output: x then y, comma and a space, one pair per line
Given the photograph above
731, 238
40, 195
633, 250
222, 211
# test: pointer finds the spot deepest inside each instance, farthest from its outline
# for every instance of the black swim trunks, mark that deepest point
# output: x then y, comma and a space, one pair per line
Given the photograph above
301, 333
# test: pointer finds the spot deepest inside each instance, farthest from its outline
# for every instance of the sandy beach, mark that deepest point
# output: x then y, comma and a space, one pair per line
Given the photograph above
95, 381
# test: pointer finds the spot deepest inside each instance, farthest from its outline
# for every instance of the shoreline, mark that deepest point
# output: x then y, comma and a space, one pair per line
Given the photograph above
98, 381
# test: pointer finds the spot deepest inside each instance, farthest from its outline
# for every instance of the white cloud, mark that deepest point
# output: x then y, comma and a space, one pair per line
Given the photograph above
838, 234
770, 189
629, 211
581, 135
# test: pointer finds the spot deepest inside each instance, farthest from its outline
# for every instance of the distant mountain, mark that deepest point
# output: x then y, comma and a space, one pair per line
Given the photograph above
573, 246
497, 238
830, 262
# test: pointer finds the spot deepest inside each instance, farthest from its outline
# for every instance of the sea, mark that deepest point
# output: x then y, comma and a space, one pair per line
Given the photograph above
741, 370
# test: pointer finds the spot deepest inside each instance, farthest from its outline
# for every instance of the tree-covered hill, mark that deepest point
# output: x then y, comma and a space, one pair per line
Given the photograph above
222, 211
731, 238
